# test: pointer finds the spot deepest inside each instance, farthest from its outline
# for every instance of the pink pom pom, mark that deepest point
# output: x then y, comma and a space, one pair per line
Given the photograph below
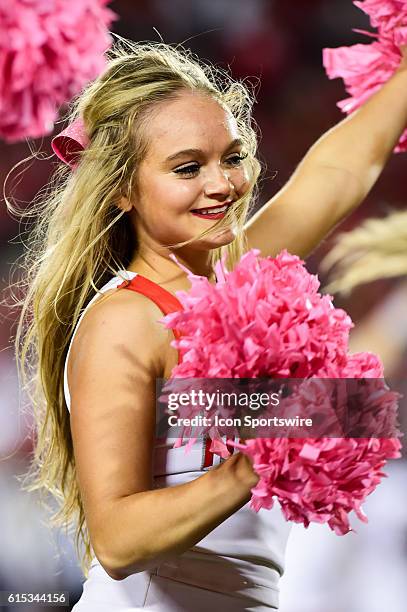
49, 51
366, 67
266, 319
318, 480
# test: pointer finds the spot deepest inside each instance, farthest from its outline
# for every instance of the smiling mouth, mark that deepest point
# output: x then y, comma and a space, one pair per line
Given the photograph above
211, 213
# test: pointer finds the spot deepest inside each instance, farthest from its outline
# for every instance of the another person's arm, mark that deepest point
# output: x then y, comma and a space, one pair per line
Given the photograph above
335, 175
116, 356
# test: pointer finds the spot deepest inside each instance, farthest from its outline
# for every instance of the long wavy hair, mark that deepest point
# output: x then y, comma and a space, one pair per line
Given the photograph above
376, 249
80, 238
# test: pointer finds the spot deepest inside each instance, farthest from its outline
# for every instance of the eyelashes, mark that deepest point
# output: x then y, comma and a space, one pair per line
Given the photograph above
192, 169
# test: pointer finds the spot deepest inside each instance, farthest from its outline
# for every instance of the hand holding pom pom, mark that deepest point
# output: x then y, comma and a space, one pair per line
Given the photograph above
364, 68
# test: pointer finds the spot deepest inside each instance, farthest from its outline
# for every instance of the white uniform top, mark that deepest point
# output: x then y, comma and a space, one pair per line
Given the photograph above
235, 567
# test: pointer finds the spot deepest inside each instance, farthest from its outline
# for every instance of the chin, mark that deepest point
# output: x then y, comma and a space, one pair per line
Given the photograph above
222, 238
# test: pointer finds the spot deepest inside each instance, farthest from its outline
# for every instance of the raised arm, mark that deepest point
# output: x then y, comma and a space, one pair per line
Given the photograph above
335, 175
116, 356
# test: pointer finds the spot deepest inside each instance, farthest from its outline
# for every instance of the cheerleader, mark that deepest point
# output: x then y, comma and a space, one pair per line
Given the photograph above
163, 159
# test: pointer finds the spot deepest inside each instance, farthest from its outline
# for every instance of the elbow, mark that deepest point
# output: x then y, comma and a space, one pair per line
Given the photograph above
115, 570
110, 565
114, 574
118, 569
109, 560
119, 572
119, 555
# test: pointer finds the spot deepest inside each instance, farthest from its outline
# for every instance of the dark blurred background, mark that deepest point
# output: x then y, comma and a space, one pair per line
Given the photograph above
277, 46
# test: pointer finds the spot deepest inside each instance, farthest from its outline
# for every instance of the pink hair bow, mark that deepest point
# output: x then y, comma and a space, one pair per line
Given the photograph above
69, 144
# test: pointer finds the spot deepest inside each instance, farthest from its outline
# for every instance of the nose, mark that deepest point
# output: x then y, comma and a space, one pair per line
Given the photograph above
218, 185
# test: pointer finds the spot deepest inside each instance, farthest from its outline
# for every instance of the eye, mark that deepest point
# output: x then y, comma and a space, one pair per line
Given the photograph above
188, 170
236, 159
193, 169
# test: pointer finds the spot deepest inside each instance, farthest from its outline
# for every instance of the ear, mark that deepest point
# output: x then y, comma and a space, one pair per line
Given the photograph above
125, 204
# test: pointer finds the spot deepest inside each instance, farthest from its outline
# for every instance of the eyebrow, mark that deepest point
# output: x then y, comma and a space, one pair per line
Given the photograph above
235, 143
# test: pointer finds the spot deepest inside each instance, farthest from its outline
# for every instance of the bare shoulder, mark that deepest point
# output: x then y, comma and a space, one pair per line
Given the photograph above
121, 321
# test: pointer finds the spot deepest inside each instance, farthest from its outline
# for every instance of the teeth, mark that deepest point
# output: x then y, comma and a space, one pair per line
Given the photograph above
213, 211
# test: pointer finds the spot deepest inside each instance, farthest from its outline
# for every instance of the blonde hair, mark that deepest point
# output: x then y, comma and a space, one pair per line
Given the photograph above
376, 249
81, 238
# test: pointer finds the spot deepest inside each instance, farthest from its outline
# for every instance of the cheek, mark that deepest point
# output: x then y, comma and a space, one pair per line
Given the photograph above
175, 194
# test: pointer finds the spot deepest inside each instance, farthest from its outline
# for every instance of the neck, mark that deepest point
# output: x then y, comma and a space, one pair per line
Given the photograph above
157, 265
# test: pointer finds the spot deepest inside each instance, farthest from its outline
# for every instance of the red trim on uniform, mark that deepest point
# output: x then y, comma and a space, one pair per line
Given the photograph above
167, 302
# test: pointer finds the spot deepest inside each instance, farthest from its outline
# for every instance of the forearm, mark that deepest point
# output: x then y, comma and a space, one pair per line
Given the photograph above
361, 144
147, 528
335, 175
